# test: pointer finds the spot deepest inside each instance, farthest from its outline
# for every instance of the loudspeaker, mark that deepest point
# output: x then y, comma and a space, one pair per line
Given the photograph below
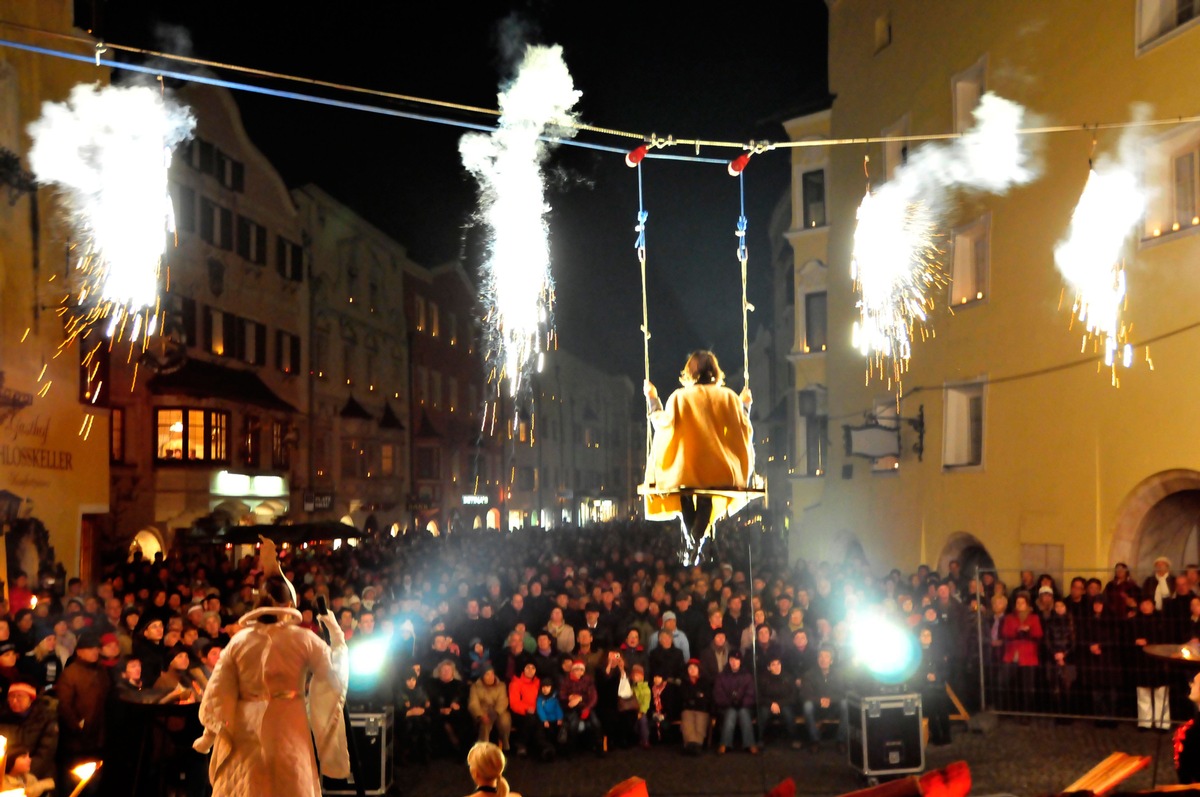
375, 734
885, 734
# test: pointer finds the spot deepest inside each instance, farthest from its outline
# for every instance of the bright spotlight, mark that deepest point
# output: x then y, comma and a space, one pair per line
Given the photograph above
887, 650
368, 658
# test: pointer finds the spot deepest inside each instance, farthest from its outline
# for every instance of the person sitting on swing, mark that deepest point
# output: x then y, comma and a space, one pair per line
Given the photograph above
702, 441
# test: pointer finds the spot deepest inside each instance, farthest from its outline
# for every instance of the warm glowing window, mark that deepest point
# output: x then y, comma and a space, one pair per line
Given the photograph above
387, 459
434, 325
189, 435
812, 189
281, 455
452, 328
970, 256
1172, 182
435, 390
421, 320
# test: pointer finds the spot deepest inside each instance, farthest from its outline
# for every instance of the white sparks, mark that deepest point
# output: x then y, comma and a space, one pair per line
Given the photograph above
1109, 210
508, 165
108, 149
895, 265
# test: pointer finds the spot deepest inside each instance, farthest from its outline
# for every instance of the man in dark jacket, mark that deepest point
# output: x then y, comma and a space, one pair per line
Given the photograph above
776, 699
82, 690
666, 659
824, 696
714, 657
453, 727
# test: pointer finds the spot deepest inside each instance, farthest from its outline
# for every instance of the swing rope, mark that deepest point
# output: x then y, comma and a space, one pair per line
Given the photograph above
640, 245
743, 257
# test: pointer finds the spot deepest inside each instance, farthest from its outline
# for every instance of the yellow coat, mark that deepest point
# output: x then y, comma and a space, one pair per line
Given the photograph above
702, 439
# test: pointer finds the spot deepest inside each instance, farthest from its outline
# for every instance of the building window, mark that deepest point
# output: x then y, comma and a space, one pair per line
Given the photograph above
883, 31
420, 313
451, 393
251, 241
527, 478
281, 452
190, 435
814, 416
422, 384
1159, 20
435, 389
179, 318
185, 208
434, 321
251, 441
428, 463
387, 459
354, 458
216, 224
967, 90
452, 328
289, 259
116, 435
970, 256
815, 323
252, 343
812, 188
1172, 182
348, 363
287, 352
220, 332
963, 426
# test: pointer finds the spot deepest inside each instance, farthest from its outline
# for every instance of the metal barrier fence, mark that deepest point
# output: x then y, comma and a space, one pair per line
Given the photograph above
1082, 658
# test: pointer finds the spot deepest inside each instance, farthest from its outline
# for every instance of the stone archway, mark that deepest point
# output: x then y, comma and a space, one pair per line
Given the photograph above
971, 553
1153, 519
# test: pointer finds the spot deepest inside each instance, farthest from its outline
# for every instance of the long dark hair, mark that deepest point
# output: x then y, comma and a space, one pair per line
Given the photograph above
702, 368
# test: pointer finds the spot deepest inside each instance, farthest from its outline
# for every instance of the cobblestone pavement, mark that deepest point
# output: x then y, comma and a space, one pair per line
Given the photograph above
1025, 760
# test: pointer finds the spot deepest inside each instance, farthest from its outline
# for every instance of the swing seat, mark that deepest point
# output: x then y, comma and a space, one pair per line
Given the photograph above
743, 494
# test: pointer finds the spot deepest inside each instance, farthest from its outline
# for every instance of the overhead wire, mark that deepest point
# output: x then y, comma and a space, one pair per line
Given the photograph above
696, 143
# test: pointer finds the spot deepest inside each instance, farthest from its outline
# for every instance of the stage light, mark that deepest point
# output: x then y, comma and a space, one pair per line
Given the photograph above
367, 659
886, 649
738, 164
635, 156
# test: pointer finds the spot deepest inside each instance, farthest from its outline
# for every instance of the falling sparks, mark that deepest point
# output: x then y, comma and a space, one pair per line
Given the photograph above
108, 149
1110, 207
507, 163
896, 264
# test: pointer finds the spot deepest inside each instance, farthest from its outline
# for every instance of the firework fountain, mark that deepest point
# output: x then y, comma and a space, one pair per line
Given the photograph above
1089, 258
108, 150
896, 264
517, 289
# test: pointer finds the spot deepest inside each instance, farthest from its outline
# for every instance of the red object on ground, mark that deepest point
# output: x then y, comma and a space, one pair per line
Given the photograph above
634, 787
785, 789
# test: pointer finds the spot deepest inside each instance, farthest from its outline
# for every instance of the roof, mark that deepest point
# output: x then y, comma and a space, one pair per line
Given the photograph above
389, 419
355, 410
202, 379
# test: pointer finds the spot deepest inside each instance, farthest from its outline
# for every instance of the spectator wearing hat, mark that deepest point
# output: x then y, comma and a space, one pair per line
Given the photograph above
41, 665
488, 706
601, 634
670, 623
9, 657
176, 679
29, 721
578, 697
1160, 585
82, 690
733, 698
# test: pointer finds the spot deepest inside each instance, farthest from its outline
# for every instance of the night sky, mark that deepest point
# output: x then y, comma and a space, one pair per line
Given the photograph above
646, 68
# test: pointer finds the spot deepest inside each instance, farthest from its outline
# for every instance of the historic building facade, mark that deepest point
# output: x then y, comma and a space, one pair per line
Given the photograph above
54, 444
1030, 456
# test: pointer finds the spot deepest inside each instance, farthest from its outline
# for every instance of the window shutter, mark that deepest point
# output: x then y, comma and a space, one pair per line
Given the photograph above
243, 237
234, 340
239, 177
260, 245
260, 344
294, 364
208, 329
226, 229
207, 218
188, 321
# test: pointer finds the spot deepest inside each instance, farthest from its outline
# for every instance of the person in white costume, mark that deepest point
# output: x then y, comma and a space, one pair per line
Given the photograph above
255, 711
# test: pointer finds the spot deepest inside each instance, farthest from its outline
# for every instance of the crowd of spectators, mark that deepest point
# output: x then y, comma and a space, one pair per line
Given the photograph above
591, 639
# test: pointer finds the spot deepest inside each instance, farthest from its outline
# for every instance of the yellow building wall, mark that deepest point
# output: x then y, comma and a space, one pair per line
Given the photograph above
1064, 450
51, 471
